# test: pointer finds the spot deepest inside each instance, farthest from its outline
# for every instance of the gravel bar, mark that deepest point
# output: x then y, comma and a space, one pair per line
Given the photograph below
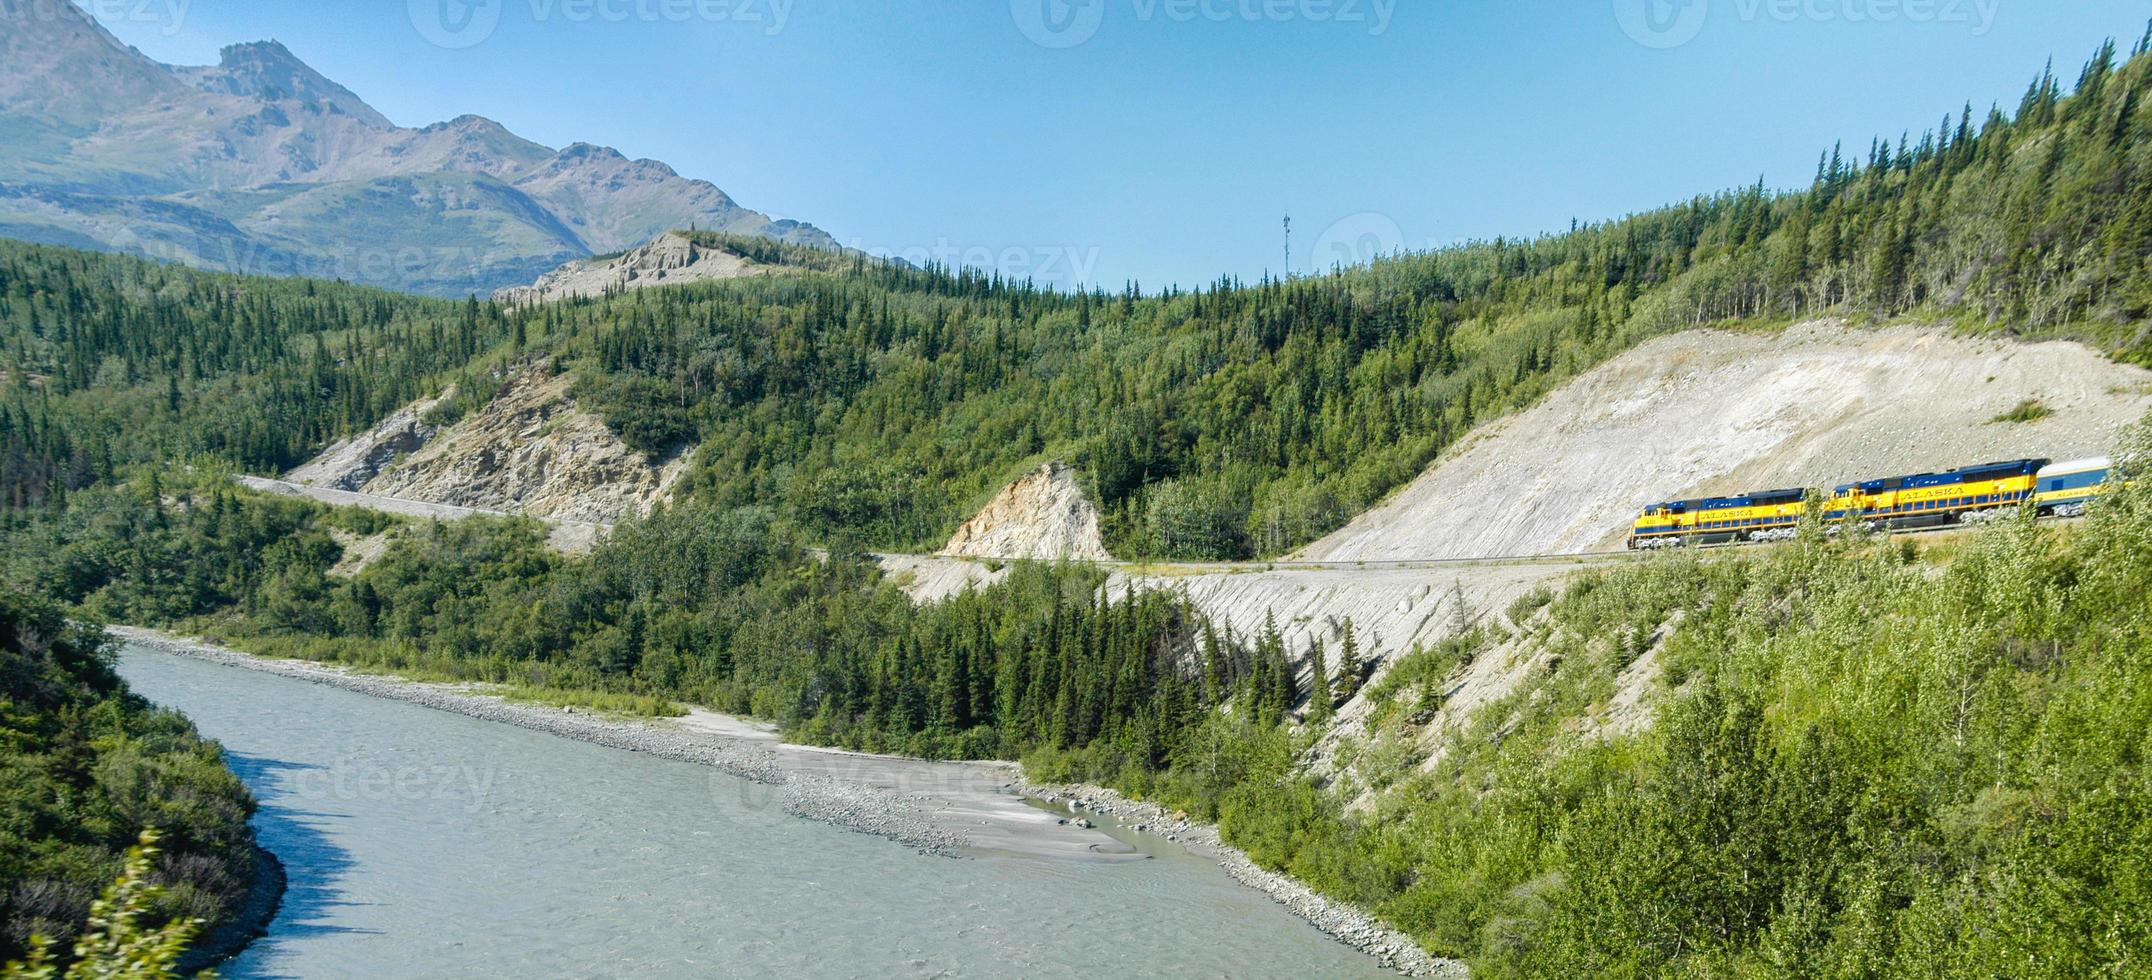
866, 809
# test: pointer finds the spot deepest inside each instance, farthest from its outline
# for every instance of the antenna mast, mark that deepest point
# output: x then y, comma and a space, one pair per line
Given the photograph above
1288, 246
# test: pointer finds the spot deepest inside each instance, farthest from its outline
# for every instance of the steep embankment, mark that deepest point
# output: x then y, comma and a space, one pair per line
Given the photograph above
349, 463
530, 450
1709, 412
1045, 516
1389, 611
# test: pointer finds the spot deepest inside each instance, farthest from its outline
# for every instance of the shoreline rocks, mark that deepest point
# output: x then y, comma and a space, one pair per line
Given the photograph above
1344, 922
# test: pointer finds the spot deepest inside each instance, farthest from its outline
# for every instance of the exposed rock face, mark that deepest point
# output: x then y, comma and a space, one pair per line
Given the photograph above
530, 451
1389, 609
1044, 516
1707, 412
267, 70
1697, 413
351, 463
671, 260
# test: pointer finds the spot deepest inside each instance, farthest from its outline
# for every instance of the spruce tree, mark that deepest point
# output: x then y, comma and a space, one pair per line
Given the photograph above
1319, 698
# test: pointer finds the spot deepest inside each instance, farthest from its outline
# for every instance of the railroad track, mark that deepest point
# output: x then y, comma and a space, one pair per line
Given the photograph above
585, 532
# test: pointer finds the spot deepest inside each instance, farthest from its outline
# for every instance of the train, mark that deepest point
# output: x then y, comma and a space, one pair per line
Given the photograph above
1966, 495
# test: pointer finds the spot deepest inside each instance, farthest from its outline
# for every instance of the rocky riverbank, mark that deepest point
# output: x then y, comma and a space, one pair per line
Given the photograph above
1346, 923
945, 809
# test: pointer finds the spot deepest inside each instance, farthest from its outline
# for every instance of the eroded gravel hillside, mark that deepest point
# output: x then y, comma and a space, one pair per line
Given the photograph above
1709, 412
530, 451
1045, 516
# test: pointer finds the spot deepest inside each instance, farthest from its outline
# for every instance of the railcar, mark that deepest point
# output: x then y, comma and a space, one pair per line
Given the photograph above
2064, 489
1968, 494
1768, 515
1934, 499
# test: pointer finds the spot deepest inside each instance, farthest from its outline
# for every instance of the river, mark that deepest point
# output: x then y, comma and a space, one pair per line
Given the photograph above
421, 843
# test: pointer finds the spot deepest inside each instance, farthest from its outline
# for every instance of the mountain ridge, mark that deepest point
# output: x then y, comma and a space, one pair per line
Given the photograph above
261, 164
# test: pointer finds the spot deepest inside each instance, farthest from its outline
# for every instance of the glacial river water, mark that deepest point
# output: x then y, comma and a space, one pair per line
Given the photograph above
426, 844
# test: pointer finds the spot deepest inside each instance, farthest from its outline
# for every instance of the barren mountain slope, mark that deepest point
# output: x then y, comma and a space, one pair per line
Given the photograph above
1708, 412
1390, 610
261, 164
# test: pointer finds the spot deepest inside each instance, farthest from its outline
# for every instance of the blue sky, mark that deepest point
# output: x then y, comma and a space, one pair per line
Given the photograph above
1163, 140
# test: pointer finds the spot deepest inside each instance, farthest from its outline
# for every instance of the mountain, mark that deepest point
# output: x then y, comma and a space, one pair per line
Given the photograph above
261, 164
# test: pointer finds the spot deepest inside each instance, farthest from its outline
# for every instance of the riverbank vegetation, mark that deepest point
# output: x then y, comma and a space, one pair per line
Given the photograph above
118, 941
85, 769
724, 608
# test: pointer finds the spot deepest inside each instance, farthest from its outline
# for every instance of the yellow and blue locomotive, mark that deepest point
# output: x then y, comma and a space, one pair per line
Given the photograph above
1965, 495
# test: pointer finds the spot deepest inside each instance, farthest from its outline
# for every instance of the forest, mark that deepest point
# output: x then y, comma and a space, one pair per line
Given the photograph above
85, 768
715, 607
107, 361
1873, 756
1881, 759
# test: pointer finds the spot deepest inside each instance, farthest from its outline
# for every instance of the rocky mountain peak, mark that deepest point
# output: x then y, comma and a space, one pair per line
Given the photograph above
586, 152
268, 70
56, 61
